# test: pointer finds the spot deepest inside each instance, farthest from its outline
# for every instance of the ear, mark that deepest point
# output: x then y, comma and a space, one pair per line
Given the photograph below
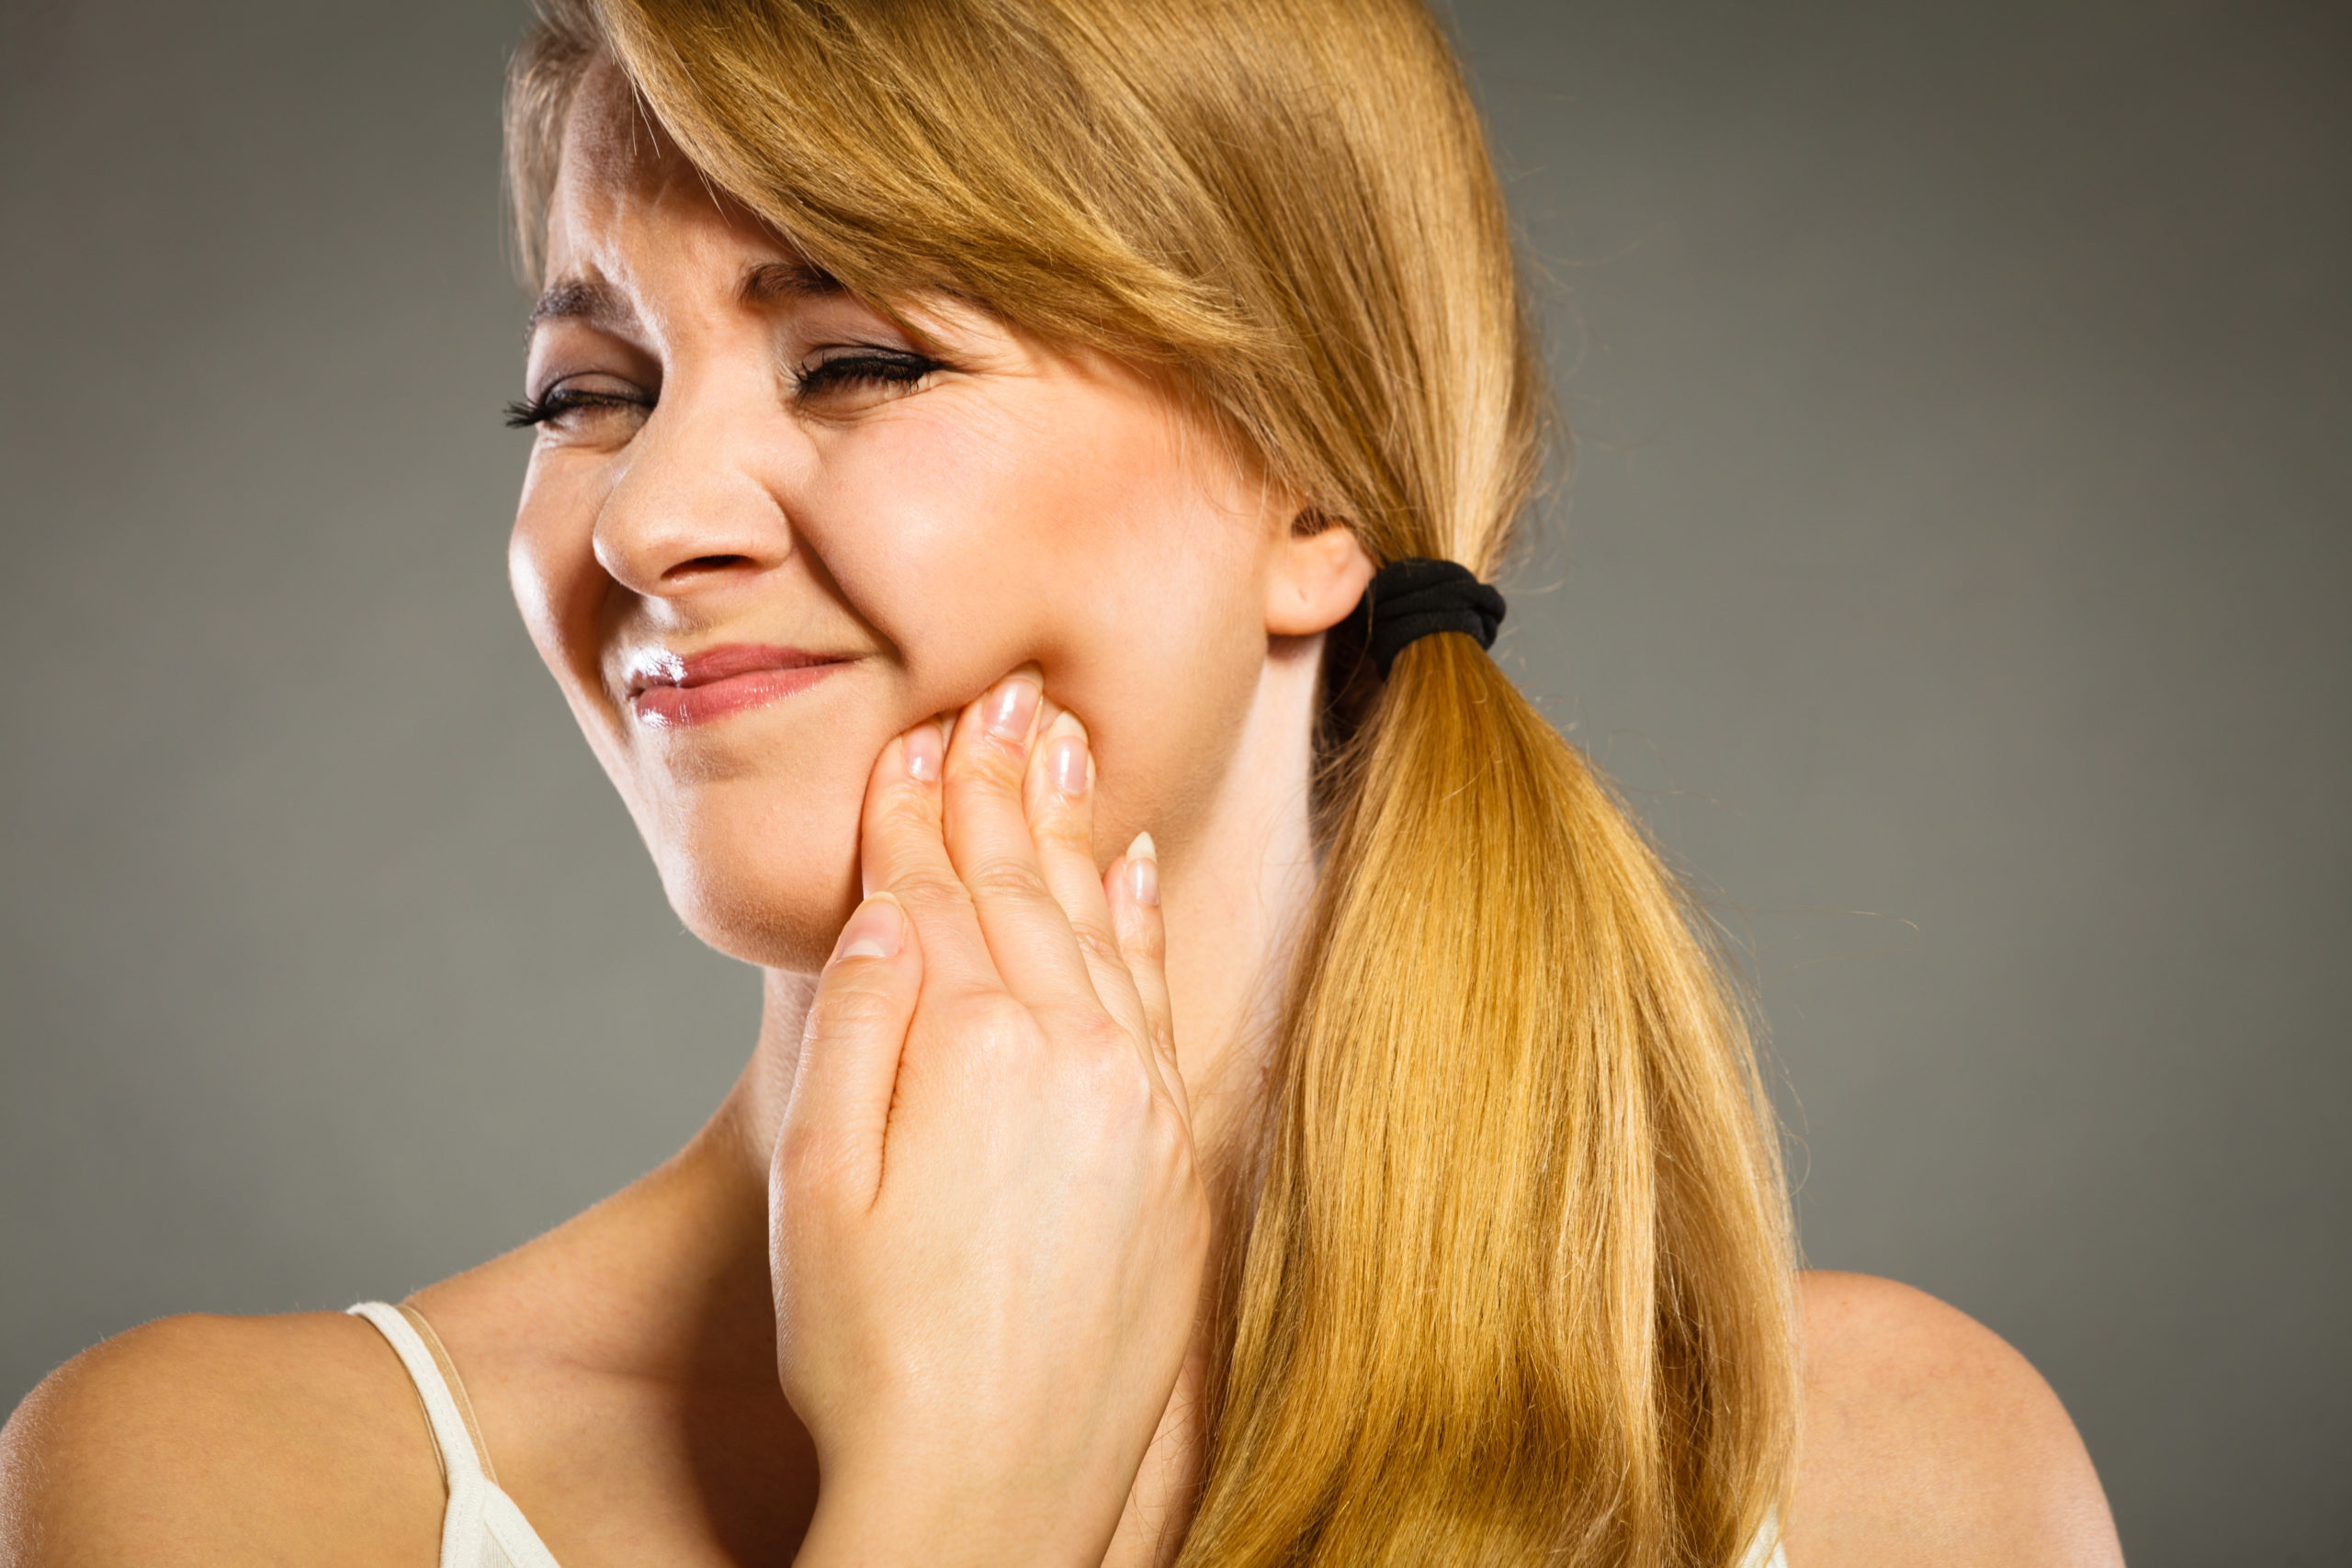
1318, 571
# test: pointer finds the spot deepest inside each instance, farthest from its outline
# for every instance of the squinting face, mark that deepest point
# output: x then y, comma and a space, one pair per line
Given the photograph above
763, 531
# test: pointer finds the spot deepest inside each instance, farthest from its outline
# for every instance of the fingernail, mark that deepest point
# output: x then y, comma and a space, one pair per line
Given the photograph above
875, 931
923, 748
1143, 870
1066, 754
1012, 706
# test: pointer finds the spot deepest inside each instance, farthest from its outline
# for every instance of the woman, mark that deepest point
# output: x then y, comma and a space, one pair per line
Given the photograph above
972, 437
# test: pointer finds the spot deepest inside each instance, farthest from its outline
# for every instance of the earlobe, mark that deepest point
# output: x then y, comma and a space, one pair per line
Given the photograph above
1320, 571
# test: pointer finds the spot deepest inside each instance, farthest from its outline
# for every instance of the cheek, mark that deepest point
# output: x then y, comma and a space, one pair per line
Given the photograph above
562, 593
941, 531
1080, 536
549, 562
974, 538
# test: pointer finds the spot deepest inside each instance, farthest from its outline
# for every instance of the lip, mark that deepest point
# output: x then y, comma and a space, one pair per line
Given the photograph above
673, 691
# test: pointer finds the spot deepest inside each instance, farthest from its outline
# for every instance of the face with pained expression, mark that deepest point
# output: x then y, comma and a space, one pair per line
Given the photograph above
763, 530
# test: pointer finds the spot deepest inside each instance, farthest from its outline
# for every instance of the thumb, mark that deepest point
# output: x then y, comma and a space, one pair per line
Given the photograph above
839, 1114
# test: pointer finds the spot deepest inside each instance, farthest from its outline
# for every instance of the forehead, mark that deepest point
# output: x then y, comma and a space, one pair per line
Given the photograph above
637, 234
620, 176
610, 140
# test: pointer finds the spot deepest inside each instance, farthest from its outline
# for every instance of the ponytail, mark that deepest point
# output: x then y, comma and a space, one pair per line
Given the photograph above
1518, 1287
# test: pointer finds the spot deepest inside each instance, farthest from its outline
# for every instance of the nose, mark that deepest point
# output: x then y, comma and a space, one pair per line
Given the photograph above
698, 508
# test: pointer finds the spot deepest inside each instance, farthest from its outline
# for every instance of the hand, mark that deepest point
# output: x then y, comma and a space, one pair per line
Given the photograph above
988, 1229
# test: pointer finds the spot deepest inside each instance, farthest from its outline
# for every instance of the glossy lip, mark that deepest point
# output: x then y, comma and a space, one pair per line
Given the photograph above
672, 691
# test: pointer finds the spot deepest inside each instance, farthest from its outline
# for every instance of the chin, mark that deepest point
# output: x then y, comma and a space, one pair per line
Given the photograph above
768, 880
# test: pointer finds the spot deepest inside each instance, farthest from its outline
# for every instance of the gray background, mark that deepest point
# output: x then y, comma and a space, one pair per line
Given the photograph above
1955, 575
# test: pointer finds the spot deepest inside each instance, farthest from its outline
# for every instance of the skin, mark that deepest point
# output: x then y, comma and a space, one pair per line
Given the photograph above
946, 1235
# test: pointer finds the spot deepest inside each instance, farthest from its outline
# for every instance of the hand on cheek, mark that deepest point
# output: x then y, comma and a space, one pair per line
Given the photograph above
988, 1230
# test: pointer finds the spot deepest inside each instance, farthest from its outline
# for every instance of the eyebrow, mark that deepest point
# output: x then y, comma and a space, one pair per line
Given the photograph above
772, 283
769, 283
575, 299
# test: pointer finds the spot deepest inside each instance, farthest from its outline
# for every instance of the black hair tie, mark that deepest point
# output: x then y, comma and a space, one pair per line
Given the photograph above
1413, 598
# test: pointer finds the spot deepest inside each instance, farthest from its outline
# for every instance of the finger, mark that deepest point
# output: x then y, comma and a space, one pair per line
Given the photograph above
988, 841
901, 851
837, 1119
1060, 797
1132, 885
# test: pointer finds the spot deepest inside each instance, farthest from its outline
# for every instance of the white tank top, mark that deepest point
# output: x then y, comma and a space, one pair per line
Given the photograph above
483, 1528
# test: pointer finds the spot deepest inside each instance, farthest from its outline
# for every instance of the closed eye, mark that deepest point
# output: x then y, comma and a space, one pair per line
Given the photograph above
553, 406
871, 368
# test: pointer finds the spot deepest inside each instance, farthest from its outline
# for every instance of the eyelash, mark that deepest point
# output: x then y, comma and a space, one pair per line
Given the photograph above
869, 366
560, 401
863, 366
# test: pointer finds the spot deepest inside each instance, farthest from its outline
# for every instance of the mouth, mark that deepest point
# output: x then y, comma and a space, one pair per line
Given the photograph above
670, 691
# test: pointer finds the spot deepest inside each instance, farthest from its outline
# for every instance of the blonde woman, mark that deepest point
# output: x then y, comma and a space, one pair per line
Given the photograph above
1016, 492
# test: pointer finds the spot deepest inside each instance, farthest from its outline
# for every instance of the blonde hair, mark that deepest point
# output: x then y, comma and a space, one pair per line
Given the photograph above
1515, 1282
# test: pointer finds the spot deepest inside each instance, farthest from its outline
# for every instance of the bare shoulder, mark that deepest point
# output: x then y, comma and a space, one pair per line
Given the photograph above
200, 1440
1927, 1440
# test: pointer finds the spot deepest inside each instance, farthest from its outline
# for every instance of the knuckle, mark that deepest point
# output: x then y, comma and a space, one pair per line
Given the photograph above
1062, 822
1010, 881
1113, 1080
851, 1006
992, 765
1143, 939
997, 1025
904, 796
906, 807
1097, 945
1101, 1040
931, 890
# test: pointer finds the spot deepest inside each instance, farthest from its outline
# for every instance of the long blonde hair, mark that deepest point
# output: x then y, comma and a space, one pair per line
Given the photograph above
1514, 1283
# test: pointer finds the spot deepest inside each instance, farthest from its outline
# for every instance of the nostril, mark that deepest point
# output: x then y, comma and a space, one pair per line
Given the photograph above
701, 564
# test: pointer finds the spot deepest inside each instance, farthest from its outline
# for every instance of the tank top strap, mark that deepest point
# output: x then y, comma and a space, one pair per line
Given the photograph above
457, 1440
481, 1528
